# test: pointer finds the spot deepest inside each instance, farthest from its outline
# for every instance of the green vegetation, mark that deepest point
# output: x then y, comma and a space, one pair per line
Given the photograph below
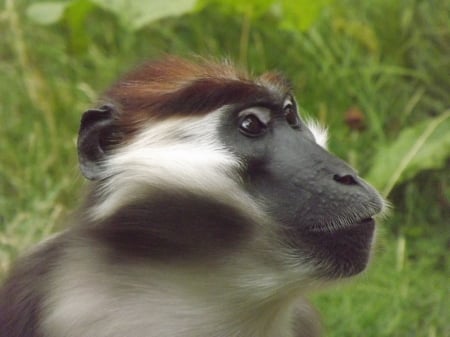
377, 73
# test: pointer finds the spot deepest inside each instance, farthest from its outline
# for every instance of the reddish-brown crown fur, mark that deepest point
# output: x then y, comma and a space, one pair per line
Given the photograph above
177, 87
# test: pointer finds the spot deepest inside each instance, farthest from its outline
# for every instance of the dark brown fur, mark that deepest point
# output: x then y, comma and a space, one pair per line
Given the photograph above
177, 87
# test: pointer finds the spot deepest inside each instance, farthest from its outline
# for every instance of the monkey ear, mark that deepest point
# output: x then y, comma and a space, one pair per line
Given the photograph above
95, 135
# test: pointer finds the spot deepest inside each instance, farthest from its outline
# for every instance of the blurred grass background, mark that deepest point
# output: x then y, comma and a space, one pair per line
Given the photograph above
368, 70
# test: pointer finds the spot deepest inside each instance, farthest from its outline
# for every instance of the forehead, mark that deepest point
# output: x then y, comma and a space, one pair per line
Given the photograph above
176, 87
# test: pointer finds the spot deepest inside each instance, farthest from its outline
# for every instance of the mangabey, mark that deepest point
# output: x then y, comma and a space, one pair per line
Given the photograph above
213, 208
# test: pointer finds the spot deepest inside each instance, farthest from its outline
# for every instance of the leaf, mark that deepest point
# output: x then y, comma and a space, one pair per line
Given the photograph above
75, 18
47, 13
251, 8
301, 14
292, 14
423, 146
135, 14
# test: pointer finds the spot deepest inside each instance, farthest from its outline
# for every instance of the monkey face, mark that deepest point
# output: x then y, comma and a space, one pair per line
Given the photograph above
324, 211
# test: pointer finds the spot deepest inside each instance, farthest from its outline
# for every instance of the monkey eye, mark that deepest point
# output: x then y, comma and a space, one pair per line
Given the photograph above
290, 113
250, 125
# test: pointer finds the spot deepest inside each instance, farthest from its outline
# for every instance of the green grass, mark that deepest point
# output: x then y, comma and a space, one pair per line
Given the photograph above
403, 294
388, 59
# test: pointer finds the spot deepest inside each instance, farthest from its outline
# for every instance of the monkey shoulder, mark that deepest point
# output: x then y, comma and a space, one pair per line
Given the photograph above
23, 290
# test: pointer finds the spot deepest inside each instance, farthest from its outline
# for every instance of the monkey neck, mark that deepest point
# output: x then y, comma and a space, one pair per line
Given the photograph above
205, 302
209, 285
218, 299
172, 299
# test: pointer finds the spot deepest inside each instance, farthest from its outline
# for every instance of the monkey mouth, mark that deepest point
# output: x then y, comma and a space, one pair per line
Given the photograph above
341, 249
337, 226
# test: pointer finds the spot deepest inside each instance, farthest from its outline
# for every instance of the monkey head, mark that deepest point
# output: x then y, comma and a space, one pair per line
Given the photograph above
201, 162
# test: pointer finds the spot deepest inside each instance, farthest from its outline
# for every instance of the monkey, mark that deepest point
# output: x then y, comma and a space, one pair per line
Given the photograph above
213, 209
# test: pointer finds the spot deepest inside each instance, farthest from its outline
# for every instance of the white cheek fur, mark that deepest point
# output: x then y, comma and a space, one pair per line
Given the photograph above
176, 152
320, 133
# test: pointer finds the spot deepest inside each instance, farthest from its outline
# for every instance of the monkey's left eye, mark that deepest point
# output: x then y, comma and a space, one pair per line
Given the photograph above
251, 126
290, 113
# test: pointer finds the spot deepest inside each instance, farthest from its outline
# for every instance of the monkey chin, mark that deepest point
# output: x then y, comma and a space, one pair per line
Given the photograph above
341, 251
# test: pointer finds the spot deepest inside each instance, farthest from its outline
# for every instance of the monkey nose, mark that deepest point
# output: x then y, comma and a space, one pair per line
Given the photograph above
346, 179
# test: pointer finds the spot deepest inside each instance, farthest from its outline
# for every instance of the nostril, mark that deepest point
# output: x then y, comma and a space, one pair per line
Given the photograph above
345, 179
